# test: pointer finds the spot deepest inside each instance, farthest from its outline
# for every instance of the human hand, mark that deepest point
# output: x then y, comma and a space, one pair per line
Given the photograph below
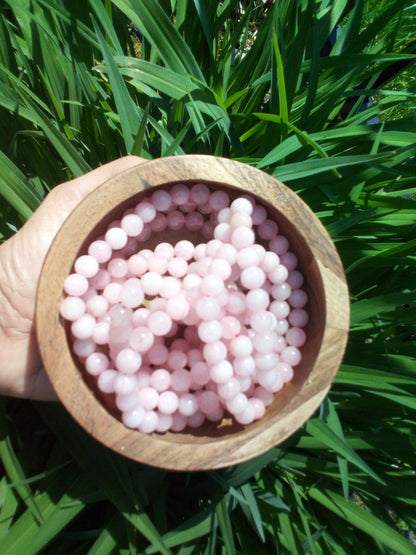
21, 260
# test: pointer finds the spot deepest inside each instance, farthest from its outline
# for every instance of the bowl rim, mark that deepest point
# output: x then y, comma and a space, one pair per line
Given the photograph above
202, 452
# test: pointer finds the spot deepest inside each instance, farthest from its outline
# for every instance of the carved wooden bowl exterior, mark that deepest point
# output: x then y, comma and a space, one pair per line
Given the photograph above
212, 445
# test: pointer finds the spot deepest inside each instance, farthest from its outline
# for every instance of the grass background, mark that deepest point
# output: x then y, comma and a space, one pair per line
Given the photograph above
84, 82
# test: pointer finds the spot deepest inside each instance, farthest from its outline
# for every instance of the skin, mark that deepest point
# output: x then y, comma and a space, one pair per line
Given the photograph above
21, 260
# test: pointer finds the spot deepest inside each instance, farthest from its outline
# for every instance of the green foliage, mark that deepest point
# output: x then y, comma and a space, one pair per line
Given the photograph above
262, 85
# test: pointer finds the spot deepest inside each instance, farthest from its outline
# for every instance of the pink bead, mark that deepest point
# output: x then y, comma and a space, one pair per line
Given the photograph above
151, 283
128, 361
259, 408
257, 300
270, 261
223, 231
146, 211
124, 384
200, 193
248, 256
181, 381
184, 249
159, 323
298, 298
208, 402
141, 339
83, 328
208, 308
100, 250
112, 292
194, 221
171, 287
231, 327
266, 361
262, 321
101, 279
215, 352
140, 316
168, 402
149, 423
281, 291
242, 237
295, 279
227, 252
127, 402
133, 418
97, 306
242, 205
210, 331
188, 404
279, 274
295, 337
259, 214
279, 244
237, 404
101, 333
244, 365
164, 423
285, 370
179, 422
264, 342
116, 238
281, 327
161, 200
106, 381
132, 294
290, 260
86, 266
221, 372
268, 229
158, 264
160, 379
196, 420
229, 389
298, 317
240, 219
176, 220
158, 354
159, 223
75, 285
252, 277
291, 355
264, 395
241, 346
236, 303
177, 307
177, 267
280, 309
132, 225
247, 416
179, 194
148, 398
218, 200
96, 363
72, 308
176, 359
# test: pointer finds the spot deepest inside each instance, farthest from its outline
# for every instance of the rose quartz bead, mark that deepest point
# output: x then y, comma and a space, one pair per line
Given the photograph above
248, 256
194, 221
257, 300
199, 373
281, 291
83, 328
160, 380
252, 277
188, 207
259, 214
143, 377
116, 238
237, 404
101, 333
221, 372
75, 285
144, 235
208, 402
177, 307
264, 342
151, 283
268, 229
236, 303
128, 361
264, 395
101, 279
210, 331
100, 250
140, 316
295, 337
133, 418
298, 317
188, 404
270, 261
280, 309
179, 422
132, 294
168, 402
263, 321
176, 220
290, 260
242, 205
279, 274
247, 416
266, 361
72, 308
208, 308
112, 292
291, 355
149, 423
137, 264
106, 381
279, 244
219, 200
281, 327
231, 327
86, 266
171, 287
148, 398
214, 352
164, 423
120, 315
97, 306
295, 279
229, 389
242, 237
177, 267
161, 200
159, 323
179, 194
224, 215
244, 365
200, 193
127, 402
146, 211
141, 339
181, 380
158, 264
241, 346
132, 225
96, 363
285, 371
158, 354
159, 223
223, 231
298, 298
196, 420
124, 384
267, 378
259, 408
184, 249
176, 359
240, 219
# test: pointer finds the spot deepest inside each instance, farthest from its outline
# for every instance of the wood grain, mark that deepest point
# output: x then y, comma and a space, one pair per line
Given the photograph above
212, 446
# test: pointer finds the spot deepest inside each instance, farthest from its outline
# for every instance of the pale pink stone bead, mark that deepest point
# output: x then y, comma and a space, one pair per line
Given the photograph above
219, 200
140, 316
120, 315
267, 378
248, 256
177, 267
158, 264
268, 229
199, 373
280, 309
101, 333
86, 266
133, 418
257, 300
194, 354
224, 215
191, 319
164, 423
214, 352
281, 326
196, 420
127, 402
128, 361
132, 224
223, 231
298, 317
168, 402
149, 423
203, 266
146, 253
237, 404
179, 194
165, 250
221, 372
270, 261
158, 354
176, 220
72, 308
240, 219
101, 279
265, 396
252, 277
231, 327
241, 346
194, 221
75, 285
295, 337
264, 342
266, 361
141, 339
176, 359
184, 249
100, 250
285, 370
208, 308
180, 344
259, 214
279, 274
159, 223
148, 398
200, 193
298, 298
212, 247
236, 303
116, 238
137, 264
83, 328
112, 292
279, 244
290, 260
143, 378
160, 380
188, 404
263, 321
242, 237
242, 205
191, 281
97, 306
181, 380
179, 422
200, 251
151, 283
209, 331
247, 416
229, 389
124, 384
216, 416
259, 408
106, 381
227, 252
208, 402
281, 291
295, 279
244, 365
96, 363
177, 307
171, 287
161, 200
159, 323
291, 355
132, 294
146, 211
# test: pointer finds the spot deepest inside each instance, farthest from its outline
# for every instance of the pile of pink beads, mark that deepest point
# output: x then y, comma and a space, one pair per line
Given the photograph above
186, 333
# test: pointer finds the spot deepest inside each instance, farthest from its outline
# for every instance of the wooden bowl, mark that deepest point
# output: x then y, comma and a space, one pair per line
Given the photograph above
211, 446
